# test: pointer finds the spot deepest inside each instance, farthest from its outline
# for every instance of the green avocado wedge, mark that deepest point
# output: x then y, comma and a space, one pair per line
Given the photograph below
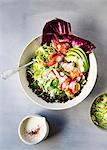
79, 57
83, 54
84, 57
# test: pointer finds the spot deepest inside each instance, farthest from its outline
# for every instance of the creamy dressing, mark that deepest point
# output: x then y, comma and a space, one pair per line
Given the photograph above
34, 129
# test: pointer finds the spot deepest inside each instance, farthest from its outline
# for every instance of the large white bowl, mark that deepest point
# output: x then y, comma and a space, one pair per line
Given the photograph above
25, 58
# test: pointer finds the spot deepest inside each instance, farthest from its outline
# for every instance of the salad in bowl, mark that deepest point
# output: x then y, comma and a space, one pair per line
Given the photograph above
64, 68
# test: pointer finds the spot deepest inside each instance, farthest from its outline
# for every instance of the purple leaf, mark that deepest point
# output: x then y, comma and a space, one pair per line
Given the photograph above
53, 28
86, 45
59, 31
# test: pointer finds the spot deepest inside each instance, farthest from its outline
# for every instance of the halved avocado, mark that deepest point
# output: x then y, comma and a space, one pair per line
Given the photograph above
83, 56
79, 57
83, 53
77, 61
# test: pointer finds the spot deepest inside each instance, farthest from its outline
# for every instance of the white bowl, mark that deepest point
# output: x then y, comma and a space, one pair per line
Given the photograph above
35, 119
90, 108
25, 58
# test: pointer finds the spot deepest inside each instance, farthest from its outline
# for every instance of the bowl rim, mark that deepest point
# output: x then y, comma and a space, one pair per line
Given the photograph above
20, 125
48, 107
90, 118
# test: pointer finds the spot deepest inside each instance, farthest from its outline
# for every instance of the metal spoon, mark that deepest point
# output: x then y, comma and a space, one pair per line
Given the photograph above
8, 73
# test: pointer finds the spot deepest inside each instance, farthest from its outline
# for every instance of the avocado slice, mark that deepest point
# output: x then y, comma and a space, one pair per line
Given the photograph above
80, 52
83, 56
77, 60
79, 57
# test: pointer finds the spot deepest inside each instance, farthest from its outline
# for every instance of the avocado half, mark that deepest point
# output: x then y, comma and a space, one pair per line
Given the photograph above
78, 56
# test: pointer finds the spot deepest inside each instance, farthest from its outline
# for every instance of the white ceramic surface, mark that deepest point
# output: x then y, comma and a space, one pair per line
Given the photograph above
25, 58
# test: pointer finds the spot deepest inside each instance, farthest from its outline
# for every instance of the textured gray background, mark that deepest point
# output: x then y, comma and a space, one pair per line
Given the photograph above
22, 20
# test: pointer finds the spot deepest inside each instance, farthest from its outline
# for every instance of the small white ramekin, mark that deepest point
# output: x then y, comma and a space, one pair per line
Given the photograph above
44, 136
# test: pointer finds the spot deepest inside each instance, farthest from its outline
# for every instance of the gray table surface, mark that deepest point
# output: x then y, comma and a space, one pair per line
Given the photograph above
22, 20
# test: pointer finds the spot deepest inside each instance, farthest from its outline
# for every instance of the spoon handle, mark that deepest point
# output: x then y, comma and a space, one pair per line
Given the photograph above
8, 73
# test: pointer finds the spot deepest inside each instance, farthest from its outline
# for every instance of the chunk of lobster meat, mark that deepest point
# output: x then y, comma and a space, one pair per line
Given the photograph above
54, 57
64, 85
73, 87
48, 64
75, 73
60, 47
57, 57
67, 66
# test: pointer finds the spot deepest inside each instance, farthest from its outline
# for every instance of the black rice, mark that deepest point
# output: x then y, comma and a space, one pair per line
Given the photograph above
45, 96
40, 93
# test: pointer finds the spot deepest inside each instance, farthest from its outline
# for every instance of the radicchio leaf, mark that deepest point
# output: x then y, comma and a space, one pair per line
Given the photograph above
59, 31
55, 29
86, 45
76, 41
